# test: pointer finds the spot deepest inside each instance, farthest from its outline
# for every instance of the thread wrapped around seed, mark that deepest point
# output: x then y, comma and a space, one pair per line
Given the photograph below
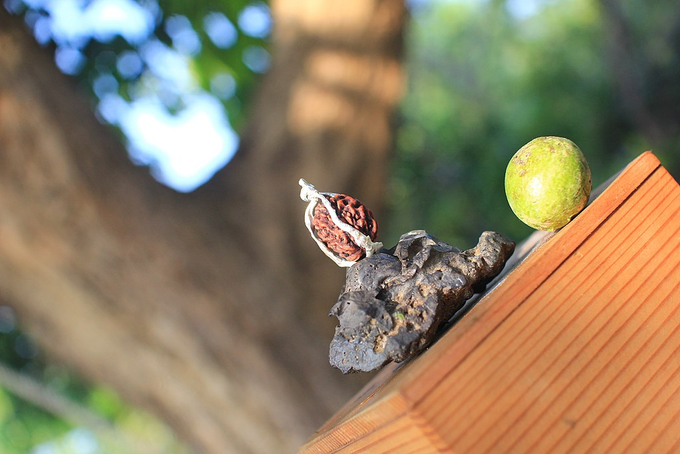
351, 212
343, 228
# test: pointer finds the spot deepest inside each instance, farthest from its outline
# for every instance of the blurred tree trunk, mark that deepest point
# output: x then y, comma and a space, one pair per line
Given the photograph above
207, 308
643, 42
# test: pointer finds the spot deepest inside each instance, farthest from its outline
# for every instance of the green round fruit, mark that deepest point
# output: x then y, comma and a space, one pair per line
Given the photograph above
547, 182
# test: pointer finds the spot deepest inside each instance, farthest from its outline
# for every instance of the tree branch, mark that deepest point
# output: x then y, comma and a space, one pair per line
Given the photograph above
208, 308
52, 402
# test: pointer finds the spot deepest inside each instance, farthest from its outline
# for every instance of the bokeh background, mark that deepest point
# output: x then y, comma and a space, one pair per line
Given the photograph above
484, 77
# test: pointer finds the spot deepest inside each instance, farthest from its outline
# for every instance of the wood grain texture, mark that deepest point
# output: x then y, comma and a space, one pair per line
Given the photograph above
575, 350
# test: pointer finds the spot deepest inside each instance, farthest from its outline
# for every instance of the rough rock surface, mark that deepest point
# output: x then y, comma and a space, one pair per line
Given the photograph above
394, 302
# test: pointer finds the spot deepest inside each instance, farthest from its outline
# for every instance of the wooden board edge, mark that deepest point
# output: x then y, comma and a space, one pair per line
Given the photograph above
398, 388
380, 413
497, 304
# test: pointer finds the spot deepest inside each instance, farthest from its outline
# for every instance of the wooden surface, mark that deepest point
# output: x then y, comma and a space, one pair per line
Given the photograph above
577, 349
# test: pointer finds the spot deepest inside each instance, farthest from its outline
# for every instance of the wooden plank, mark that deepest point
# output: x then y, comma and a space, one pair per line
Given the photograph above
498, 304
408, 433
556, 346
545, 354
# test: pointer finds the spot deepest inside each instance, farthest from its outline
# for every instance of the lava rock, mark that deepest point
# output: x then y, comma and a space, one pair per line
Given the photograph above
394, 302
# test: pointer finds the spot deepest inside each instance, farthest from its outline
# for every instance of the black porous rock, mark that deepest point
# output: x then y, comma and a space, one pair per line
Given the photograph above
394, 302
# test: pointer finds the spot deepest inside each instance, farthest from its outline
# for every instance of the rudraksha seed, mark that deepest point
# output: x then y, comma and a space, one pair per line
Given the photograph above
343, 228
352, 212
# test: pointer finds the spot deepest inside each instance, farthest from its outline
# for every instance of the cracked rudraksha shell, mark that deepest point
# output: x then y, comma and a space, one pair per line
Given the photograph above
343, 227
353, 213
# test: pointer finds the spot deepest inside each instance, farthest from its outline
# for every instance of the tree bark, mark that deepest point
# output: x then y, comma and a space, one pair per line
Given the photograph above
629, 70
646, 79
208, 308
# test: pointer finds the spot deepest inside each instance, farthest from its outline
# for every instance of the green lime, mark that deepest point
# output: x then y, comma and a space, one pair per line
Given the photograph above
547, 182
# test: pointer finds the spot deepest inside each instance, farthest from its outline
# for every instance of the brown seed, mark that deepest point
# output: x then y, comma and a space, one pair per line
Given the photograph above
352, 212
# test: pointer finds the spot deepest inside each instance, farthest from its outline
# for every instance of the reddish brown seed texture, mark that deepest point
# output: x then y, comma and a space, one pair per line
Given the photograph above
350, 211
